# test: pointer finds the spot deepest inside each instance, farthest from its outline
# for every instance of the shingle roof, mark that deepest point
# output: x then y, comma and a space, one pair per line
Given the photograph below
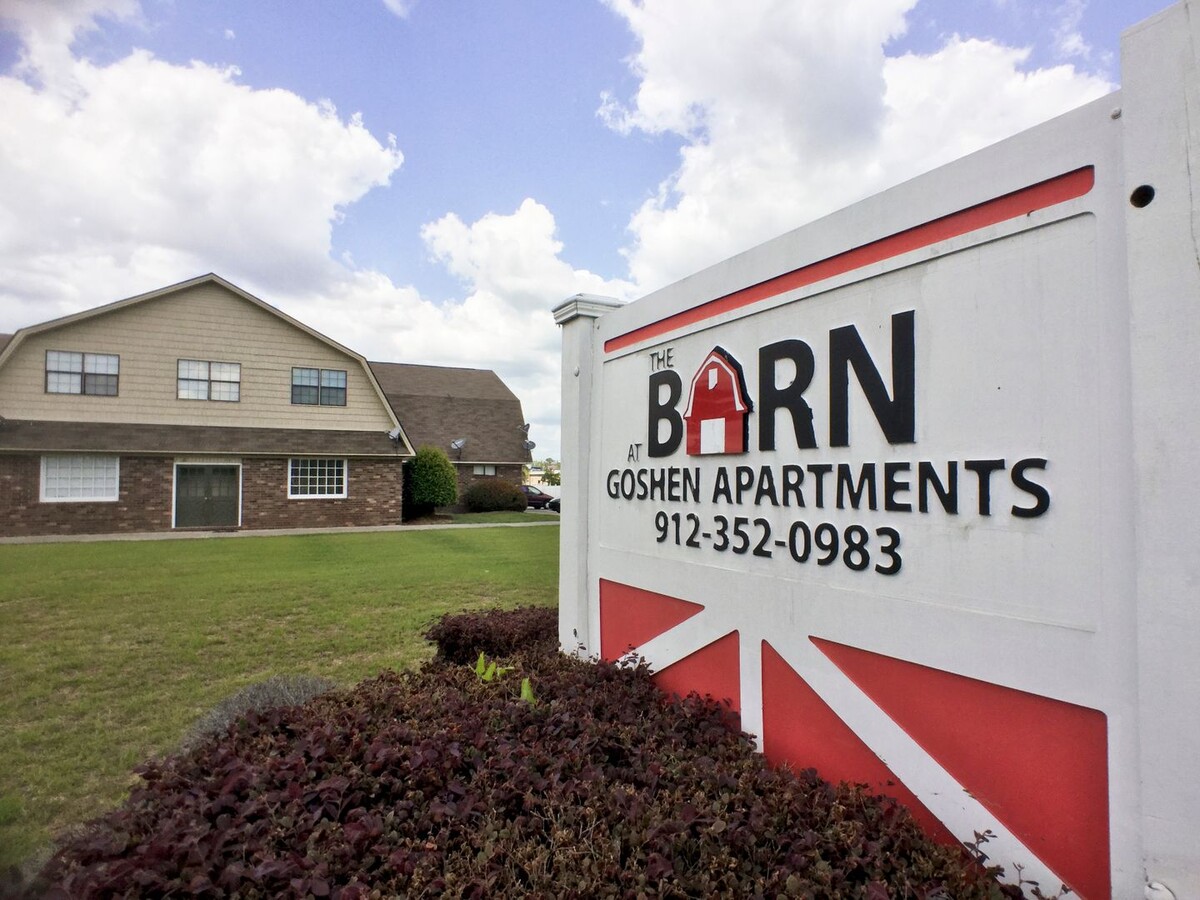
439, 404
29, 436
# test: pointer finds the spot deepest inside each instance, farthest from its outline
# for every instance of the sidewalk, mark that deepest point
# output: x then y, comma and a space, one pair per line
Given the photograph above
538, 519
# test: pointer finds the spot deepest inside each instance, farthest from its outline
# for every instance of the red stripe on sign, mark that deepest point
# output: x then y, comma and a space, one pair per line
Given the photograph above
1009, 206
714, 671
802, 731
1040, 765
630, 616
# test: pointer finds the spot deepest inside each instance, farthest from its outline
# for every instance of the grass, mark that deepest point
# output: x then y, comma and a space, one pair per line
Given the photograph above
494, 518
109, 651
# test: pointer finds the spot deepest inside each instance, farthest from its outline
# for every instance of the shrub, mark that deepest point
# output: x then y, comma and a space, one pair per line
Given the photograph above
431, 481
461, 638
437, 782
495, 494
276, 691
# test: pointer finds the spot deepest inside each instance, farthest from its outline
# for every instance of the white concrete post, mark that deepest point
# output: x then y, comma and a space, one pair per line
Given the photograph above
1161, 118
577, 315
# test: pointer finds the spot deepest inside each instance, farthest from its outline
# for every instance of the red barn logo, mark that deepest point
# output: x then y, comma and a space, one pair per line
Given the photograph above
718, 407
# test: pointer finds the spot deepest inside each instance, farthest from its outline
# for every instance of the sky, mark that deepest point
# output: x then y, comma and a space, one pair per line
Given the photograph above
424, 180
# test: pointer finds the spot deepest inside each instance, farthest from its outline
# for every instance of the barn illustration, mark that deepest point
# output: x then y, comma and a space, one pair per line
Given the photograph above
718, 407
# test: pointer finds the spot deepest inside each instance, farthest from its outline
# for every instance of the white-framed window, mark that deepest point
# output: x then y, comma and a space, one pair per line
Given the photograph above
316, 477
71, 372
318, 387
79, 477
485, 470
200, 379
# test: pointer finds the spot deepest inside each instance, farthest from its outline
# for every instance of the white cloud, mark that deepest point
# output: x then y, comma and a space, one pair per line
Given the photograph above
400, 8
47, 30
967, 95
792, 110
513, 274
142, 172
1069, 42
516, 257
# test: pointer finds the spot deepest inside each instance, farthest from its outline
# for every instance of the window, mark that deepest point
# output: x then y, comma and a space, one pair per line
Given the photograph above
78, 478
333, 387
68, 372
316, 478
324, 387
202, 380
485, 470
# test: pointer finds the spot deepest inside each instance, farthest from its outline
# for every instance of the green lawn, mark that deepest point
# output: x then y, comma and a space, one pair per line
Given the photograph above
109, 651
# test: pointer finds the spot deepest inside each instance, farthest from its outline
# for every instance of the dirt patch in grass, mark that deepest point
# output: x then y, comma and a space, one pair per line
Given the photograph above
434, 519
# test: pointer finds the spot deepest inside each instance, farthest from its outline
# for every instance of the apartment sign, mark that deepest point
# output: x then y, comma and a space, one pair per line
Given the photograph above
910, 488
796, 502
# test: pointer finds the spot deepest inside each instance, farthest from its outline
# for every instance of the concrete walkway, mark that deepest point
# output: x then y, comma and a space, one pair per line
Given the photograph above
539, 518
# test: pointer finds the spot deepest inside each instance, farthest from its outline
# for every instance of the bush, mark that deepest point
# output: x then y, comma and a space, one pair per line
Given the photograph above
431, 481
493, 495
439, 782
461, 638
276, 691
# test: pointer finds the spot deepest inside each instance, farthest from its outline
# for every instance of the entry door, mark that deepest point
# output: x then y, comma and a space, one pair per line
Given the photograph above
206, 496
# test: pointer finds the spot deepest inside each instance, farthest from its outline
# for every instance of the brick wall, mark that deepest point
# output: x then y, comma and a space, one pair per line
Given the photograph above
374, 490
144, 499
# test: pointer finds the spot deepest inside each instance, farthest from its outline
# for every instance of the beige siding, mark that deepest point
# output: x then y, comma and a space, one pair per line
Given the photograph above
205, 322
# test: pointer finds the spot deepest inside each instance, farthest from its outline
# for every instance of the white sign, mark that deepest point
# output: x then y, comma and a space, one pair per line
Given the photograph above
912, 488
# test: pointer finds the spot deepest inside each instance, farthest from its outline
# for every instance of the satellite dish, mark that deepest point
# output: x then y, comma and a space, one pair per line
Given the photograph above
395, 433
529, 445
458, 443
525, 428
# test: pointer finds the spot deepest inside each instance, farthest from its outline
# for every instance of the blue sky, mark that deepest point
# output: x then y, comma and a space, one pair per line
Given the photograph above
424, 179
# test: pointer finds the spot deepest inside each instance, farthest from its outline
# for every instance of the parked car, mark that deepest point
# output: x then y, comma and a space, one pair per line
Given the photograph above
537, 498
553, 505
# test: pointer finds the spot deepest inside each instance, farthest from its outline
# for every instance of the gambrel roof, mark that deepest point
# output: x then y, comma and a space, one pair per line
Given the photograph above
431, 405
9, 347
721, 359
156, 437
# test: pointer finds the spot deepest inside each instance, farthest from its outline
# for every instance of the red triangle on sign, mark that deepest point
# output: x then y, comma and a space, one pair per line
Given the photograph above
712, 671
1039, 765
801, 730
629, 617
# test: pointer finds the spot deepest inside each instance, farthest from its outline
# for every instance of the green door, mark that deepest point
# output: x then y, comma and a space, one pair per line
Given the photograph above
206, 496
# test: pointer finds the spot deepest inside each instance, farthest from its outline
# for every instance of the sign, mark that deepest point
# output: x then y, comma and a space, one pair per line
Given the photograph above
913, 488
